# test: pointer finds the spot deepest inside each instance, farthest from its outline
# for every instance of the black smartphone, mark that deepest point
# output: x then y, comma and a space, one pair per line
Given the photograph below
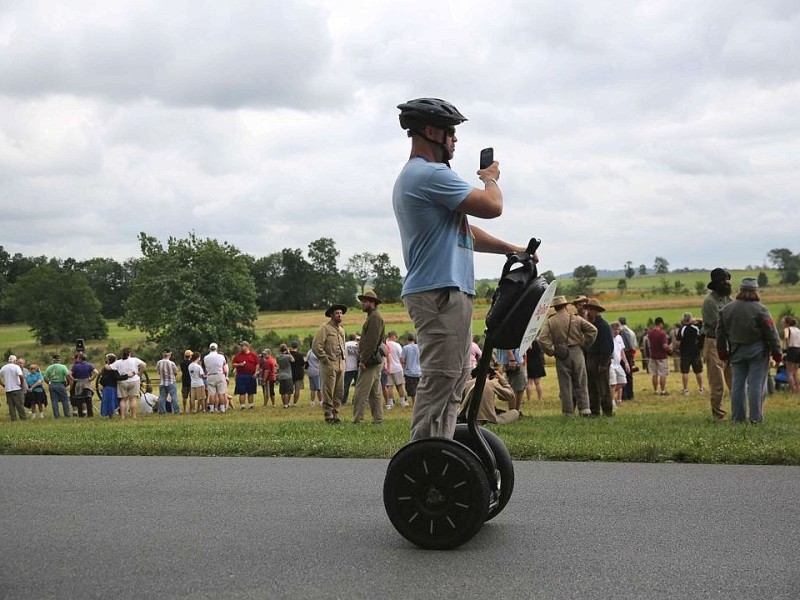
487, 157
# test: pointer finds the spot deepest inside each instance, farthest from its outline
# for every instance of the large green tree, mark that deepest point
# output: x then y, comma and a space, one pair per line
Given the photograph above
267, 272
330, 285
361, 266
387, 282
629, 270
11, 269
58, 304
109, 280
295, 286
191, 293
787, 263
286, 280
584, 277
660, 265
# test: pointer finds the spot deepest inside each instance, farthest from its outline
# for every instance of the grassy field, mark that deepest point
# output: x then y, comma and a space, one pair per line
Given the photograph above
643, 284
647, 429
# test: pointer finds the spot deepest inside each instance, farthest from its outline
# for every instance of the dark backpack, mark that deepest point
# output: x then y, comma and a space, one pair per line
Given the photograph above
515, 298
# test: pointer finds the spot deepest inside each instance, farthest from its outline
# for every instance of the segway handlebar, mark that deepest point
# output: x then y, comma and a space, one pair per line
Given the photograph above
527, 254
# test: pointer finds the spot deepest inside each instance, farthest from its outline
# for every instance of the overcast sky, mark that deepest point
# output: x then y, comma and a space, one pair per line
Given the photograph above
624, 130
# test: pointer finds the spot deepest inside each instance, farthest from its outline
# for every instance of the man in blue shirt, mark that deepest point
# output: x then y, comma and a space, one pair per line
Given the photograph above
411, 368
431, 204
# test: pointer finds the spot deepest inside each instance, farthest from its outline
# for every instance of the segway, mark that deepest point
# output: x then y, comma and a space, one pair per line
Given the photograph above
439, 492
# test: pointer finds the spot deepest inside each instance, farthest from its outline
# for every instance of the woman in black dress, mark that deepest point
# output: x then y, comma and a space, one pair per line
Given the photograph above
534, 363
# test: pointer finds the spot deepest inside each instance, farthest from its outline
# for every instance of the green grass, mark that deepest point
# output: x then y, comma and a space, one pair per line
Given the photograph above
649, 429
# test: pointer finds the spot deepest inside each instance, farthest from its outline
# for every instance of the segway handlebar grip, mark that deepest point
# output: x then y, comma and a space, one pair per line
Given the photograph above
533, 246
527, 254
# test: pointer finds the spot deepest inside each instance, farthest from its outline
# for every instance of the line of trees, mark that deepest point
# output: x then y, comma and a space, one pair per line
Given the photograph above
185, 292
192, 290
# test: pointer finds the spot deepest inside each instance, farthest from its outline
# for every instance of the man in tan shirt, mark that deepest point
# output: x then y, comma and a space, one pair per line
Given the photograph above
565, 336
328, 346
496, 385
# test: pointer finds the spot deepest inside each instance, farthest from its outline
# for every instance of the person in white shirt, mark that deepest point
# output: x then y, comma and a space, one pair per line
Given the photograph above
350, 364
217, 371
619, 367
148, 402
197, 381
13, 381
394, 371
128, 389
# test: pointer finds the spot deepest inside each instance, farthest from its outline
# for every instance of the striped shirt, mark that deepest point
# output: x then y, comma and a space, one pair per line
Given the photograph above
167, 370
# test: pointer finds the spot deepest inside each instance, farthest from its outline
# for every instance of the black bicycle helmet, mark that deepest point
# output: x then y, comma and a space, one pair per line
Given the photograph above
415, 114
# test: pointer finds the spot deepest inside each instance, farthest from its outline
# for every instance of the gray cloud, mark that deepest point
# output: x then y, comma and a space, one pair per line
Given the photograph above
182, 53
624, 130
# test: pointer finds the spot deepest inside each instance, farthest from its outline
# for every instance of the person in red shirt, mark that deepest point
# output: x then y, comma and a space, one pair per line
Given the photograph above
246, 365
268, 375
659, 363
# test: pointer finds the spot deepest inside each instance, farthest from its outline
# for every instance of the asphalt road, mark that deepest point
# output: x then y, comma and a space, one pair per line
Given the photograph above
117, 527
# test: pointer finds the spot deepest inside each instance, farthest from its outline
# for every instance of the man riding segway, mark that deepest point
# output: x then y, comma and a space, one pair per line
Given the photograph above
439, 491
431, 204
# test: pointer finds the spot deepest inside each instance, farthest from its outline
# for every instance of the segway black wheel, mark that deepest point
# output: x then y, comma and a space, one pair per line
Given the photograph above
436, 493
502, 457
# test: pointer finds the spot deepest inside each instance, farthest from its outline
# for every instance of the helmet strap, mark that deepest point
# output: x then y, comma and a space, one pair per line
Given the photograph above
436, 145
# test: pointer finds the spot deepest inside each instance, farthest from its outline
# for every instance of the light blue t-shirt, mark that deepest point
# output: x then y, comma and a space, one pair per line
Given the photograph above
410, 356
437, 241
502, 356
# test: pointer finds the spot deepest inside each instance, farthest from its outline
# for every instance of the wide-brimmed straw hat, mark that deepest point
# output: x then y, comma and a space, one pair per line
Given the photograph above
593, 303
580, 300
559, 301
370, 295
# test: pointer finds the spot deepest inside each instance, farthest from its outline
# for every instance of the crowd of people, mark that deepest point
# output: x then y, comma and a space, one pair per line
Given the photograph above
374, 364
736, 340
595, 361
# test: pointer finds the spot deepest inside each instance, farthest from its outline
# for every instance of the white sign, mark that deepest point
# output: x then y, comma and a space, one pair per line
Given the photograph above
539, 316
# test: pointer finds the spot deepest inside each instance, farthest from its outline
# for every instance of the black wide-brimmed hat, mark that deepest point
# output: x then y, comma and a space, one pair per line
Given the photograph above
333, 307
718, 276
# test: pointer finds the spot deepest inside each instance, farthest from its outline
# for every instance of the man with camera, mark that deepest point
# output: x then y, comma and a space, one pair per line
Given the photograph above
497, 386
431, 204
